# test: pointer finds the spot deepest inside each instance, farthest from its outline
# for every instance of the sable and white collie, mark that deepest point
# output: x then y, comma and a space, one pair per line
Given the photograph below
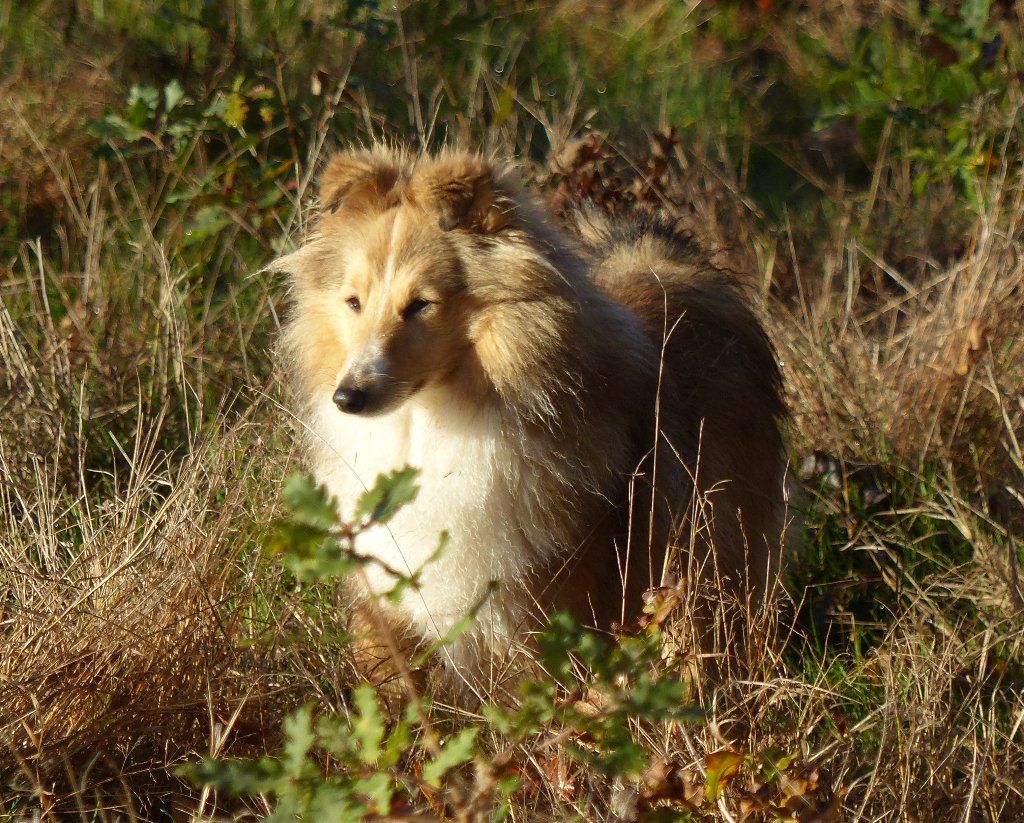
592, 411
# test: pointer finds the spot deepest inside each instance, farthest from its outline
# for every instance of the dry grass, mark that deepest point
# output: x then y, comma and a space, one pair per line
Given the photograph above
127, 569
142, 446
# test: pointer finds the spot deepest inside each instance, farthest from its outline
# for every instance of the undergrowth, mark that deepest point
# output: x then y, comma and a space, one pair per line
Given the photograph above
860, 161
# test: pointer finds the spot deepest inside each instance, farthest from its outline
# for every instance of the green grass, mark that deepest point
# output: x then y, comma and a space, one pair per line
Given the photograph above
858, 161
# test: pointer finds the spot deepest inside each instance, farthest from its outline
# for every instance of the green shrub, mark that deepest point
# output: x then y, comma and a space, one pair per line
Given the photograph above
342, 767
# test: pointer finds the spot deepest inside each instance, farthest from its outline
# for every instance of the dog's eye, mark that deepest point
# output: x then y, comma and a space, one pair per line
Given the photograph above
415, 307
354, 304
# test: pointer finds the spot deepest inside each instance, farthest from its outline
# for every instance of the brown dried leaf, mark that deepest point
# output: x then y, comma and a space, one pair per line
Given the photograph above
559, 775
660, 603
973, 347
665, 779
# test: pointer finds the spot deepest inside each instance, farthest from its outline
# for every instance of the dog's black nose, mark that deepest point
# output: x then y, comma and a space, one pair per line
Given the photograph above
350, 400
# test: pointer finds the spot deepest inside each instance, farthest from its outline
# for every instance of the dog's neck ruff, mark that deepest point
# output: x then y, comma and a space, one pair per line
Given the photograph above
476, 485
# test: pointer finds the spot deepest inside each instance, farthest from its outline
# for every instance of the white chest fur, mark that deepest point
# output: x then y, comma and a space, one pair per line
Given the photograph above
468, 485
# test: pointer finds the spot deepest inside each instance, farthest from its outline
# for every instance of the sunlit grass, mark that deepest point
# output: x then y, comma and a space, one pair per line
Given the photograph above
143, 430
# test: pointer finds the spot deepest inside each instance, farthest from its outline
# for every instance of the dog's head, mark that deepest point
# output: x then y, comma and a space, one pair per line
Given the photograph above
394, 293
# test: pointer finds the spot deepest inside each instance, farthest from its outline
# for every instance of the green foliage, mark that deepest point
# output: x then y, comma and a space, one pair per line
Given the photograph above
460, 749
621, 682
165, 127
381, 502
364, 752
927, 96
310, 505
348, 767
876, 538
310, 540
233, 97
361, 784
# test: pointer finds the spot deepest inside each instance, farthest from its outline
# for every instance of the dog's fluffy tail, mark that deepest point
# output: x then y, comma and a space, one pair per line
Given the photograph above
684, 301
643, 231
645, 261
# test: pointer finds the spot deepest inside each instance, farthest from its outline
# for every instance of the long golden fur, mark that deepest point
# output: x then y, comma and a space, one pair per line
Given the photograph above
440, 319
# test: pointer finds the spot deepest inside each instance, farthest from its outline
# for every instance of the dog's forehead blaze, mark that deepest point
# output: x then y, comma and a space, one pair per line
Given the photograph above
364, 254
399, 257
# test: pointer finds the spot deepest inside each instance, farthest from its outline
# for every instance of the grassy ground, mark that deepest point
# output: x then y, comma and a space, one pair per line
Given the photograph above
862, 160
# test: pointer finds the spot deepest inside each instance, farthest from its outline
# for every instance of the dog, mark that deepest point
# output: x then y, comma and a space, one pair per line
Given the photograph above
590, 408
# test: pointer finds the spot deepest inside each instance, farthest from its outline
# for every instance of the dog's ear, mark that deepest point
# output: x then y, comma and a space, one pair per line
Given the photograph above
359, 179
464, 192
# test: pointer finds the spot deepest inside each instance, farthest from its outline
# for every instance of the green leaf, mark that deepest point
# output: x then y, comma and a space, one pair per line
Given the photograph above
388, 495
399, 740
456, 751
173, 94
218, 108
142, 103
368, 724
379, 788
114, 127
328, 803
203, 186
920, 183
235, 776
298, 733
774, 761
210, 220
235, 109
506, 101
721, 767
953, 85
975, 13
309, 553
180, 131
562, 635
309, 503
